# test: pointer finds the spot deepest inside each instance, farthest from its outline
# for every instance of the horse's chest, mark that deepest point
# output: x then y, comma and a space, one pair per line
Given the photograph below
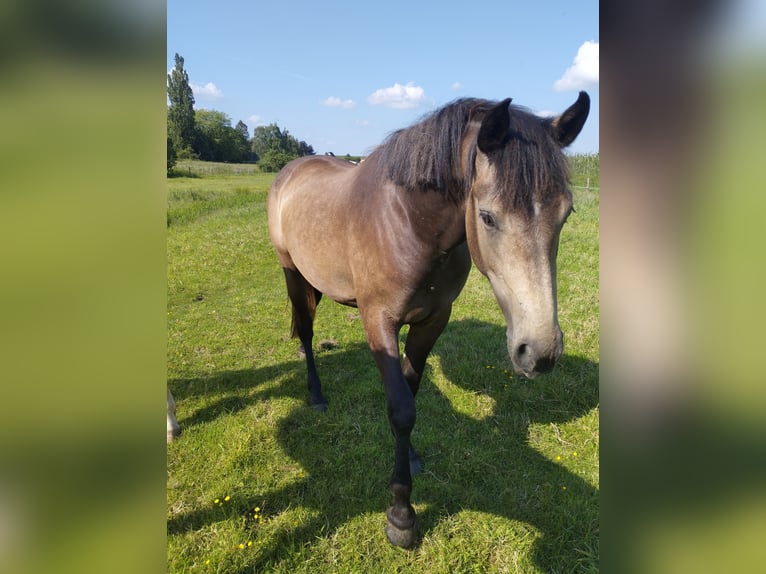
441, 284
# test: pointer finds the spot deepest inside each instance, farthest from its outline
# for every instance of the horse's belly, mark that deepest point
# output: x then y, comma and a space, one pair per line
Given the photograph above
330, 275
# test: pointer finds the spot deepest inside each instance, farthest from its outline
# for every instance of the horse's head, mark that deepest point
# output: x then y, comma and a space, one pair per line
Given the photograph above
517, 205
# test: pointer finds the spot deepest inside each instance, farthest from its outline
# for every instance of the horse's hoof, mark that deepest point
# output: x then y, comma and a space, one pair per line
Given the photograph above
319, 407
173, 434
402, 538
400, 526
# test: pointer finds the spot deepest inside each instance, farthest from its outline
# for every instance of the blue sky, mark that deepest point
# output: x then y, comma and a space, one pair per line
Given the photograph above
342, 75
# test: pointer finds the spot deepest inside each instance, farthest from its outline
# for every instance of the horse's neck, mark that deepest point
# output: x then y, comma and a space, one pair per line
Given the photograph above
436, 217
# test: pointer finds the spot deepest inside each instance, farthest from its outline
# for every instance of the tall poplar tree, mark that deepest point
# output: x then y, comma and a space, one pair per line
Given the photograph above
181, 110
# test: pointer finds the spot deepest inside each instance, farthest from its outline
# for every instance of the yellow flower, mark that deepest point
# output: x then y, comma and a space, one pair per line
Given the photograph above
563, 488
558, 457
227, 498
216, 501
241, 546
574, 453
249, 542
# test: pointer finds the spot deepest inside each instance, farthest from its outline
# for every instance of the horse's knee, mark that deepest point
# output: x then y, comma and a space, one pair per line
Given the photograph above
411, 375
401, 414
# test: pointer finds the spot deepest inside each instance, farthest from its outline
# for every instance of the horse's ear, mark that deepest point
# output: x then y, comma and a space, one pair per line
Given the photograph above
567, 126
494, 127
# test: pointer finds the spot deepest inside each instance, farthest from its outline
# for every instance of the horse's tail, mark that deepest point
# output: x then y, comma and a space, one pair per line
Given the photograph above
312, 299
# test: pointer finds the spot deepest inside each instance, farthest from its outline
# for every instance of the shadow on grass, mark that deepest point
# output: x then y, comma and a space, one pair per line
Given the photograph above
484, 465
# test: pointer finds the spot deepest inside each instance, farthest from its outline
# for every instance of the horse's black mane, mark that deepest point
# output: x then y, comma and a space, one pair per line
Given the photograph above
426, 155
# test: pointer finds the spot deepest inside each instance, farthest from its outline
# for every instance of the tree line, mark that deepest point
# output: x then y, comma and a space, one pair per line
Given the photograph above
208, 134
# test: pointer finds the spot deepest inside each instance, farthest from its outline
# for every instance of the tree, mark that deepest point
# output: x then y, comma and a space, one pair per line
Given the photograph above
305, 149
181, 110
171, 155
242, 128
273, 160
274, 147
216, 140
243, 142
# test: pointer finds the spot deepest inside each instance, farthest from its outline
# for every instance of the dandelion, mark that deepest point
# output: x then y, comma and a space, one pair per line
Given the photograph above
217, 501
249, 542
241, 546
257, 509
227, 498
207, 561
558, 457
574, 453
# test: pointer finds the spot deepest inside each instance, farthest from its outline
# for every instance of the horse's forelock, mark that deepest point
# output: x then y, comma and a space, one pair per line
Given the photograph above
427, 156
529, 165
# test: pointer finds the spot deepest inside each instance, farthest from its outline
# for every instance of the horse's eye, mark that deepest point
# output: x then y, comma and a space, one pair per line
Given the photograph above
488, 219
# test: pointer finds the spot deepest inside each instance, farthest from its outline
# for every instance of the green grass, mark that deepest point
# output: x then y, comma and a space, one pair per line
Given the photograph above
510, 482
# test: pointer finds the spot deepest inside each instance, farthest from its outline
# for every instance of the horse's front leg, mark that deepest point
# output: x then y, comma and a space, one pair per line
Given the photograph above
400, 402
174, 431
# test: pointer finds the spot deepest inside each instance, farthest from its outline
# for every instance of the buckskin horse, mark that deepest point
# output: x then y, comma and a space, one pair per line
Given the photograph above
395, 236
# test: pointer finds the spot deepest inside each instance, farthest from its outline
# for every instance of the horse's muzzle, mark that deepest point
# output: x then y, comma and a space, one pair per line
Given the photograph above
531, 358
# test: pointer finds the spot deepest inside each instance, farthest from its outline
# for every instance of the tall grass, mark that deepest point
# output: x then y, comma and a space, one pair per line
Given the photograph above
510, 482
585, 170
197, 168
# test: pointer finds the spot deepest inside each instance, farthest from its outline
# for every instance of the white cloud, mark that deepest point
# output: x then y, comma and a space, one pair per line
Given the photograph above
457, 86
583, 72
256, 120
363, 123
546, 114
398, 96
207, 92
333, 102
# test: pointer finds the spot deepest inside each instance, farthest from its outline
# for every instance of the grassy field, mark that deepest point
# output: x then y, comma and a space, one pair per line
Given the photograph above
259, 482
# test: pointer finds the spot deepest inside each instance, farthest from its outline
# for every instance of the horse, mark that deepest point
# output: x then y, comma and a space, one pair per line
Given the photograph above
475, 180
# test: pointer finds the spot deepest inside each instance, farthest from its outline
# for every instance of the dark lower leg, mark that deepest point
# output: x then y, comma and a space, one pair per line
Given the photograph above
316, 400
401, 516
400, 527
420, 341
304, 299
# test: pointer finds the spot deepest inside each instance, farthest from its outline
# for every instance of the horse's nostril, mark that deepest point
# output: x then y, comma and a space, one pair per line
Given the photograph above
524, 357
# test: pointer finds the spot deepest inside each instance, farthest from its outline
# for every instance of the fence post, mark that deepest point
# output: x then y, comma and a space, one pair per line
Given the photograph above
587, 184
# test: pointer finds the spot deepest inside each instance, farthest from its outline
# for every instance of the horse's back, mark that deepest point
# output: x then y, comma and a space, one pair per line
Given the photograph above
306, 223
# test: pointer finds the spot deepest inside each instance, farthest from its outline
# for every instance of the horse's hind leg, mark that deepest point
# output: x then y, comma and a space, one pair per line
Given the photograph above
304, 299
